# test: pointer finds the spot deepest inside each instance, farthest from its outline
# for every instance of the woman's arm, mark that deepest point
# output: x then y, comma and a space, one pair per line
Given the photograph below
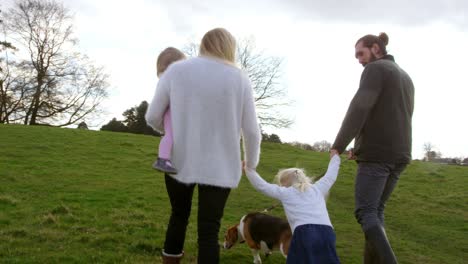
327, 181
250, 129
262, 186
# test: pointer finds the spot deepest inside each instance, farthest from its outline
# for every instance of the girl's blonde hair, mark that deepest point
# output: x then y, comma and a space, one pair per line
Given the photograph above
295, 177
219, 43
166, 58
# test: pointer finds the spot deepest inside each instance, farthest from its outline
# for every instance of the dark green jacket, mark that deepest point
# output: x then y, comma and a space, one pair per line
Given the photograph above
379, 116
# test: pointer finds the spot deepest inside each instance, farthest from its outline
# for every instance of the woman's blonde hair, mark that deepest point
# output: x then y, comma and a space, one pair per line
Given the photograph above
296, 178
219, 43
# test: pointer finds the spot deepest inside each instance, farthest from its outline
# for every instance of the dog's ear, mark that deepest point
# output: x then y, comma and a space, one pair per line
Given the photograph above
232, 233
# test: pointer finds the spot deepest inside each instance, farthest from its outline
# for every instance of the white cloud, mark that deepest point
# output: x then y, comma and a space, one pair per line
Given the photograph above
396, 12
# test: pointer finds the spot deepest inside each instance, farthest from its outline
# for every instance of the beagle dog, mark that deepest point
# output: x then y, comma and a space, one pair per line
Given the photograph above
260, 232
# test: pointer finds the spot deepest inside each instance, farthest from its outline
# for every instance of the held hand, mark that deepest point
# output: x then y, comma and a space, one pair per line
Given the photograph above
333, 152
246, 169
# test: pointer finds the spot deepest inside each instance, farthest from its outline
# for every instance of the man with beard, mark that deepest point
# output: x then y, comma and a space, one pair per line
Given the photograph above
379, 121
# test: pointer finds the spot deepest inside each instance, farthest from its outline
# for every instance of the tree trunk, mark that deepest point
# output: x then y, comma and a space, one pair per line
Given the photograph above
37, 98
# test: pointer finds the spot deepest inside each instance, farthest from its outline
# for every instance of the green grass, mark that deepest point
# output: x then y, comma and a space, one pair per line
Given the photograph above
72, 196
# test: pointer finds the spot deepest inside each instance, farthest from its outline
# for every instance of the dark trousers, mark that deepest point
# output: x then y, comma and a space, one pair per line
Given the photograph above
313, 244
375, 183
211, 202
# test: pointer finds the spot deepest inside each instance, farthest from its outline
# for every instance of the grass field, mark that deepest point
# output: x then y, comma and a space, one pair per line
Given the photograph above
73, 196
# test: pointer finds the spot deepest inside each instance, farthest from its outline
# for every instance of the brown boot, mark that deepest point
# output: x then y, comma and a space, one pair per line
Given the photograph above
172, 259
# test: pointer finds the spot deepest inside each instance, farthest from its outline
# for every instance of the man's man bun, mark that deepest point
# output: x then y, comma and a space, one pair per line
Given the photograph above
384, 38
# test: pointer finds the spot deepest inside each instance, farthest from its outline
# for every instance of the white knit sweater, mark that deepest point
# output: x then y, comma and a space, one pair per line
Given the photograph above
308, 207
211, 106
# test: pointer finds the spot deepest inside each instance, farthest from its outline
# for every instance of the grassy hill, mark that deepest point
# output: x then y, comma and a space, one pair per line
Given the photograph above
72, 196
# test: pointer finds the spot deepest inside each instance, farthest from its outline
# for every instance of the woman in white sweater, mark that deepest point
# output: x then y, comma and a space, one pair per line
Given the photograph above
212, 106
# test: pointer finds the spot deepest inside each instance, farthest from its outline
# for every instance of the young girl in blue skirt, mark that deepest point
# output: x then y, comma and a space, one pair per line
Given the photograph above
305, 207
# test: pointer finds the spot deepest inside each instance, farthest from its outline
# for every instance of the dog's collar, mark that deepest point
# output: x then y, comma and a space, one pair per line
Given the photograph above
240, 231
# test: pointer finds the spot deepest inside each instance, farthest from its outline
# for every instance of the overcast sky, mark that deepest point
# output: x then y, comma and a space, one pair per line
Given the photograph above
428, 38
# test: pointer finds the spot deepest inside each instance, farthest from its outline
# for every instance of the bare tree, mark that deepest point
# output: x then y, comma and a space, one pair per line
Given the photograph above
11, 87
4, 96
15, 87
429, 153
265, 73
66, 85
301, 145
322, 146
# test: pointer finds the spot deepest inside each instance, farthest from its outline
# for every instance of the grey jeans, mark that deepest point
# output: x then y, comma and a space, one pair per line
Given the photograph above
374, 185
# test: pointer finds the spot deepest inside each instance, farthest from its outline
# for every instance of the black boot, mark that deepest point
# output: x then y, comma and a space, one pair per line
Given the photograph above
379, 248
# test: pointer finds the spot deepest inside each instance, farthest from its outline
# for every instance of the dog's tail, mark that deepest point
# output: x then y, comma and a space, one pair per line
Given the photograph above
266, 210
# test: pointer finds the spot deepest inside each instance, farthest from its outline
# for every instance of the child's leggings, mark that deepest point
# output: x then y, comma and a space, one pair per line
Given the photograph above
165, 146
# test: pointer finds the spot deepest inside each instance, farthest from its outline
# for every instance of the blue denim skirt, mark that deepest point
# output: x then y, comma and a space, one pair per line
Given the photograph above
313, 244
